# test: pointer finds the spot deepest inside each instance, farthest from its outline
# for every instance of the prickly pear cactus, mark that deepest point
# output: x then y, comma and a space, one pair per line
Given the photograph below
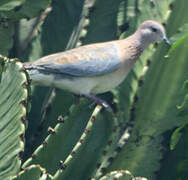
49, 134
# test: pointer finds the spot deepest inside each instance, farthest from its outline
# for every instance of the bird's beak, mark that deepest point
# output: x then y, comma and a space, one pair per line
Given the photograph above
166, 41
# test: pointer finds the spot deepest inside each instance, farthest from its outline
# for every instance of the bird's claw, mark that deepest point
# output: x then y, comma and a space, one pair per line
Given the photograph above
107, 106
92, 104
103, 104
97, 100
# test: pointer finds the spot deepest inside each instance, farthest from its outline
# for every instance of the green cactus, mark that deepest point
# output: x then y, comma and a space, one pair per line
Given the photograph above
121, 175
57, 135
12, 115
33, 172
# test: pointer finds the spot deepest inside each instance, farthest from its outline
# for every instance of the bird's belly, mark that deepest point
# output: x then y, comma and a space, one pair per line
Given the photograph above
107, 82
87, 85
80, 85
77, 85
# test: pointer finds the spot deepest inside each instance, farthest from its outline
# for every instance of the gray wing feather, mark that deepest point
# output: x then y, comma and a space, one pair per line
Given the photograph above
101, 61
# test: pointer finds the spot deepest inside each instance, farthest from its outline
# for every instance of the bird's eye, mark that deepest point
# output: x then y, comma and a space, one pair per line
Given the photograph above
153, 29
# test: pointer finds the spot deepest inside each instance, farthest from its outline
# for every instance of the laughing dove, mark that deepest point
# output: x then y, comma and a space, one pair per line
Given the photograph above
95, 68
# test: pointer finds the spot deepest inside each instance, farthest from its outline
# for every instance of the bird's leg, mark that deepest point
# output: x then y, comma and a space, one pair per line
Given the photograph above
77, 98
92, 104
98, 101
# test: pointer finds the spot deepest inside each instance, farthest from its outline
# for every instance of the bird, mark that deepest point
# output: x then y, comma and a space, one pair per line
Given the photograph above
95, 68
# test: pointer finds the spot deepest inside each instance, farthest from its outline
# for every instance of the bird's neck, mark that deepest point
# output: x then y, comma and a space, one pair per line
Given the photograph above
132, 47
144, 40
139, 41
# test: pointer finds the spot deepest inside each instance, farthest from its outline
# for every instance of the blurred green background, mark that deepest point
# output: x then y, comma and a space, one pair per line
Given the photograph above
47, 133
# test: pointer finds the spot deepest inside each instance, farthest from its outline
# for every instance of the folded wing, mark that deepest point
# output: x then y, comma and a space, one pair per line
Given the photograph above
83, 61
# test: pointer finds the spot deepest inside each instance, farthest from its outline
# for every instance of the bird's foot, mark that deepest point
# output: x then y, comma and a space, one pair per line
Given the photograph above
92, 104
98, 100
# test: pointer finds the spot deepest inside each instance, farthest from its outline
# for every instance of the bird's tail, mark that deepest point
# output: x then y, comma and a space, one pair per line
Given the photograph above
29, 66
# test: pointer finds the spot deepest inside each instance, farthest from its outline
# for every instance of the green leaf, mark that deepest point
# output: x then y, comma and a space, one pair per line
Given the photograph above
7, 5
175, 137
13, 102
155, 111
176, 161
185, 86
70, 129
6, 38
140, 155
34, 172
89, 148
32, 8
183, 103
178, 39
121, 175
103, 22
16, 10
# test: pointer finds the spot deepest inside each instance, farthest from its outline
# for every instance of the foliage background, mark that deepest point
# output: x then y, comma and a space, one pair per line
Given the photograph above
46, 133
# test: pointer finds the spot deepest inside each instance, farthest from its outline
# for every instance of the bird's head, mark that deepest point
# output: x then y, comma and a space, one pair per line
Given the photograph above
151, 31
